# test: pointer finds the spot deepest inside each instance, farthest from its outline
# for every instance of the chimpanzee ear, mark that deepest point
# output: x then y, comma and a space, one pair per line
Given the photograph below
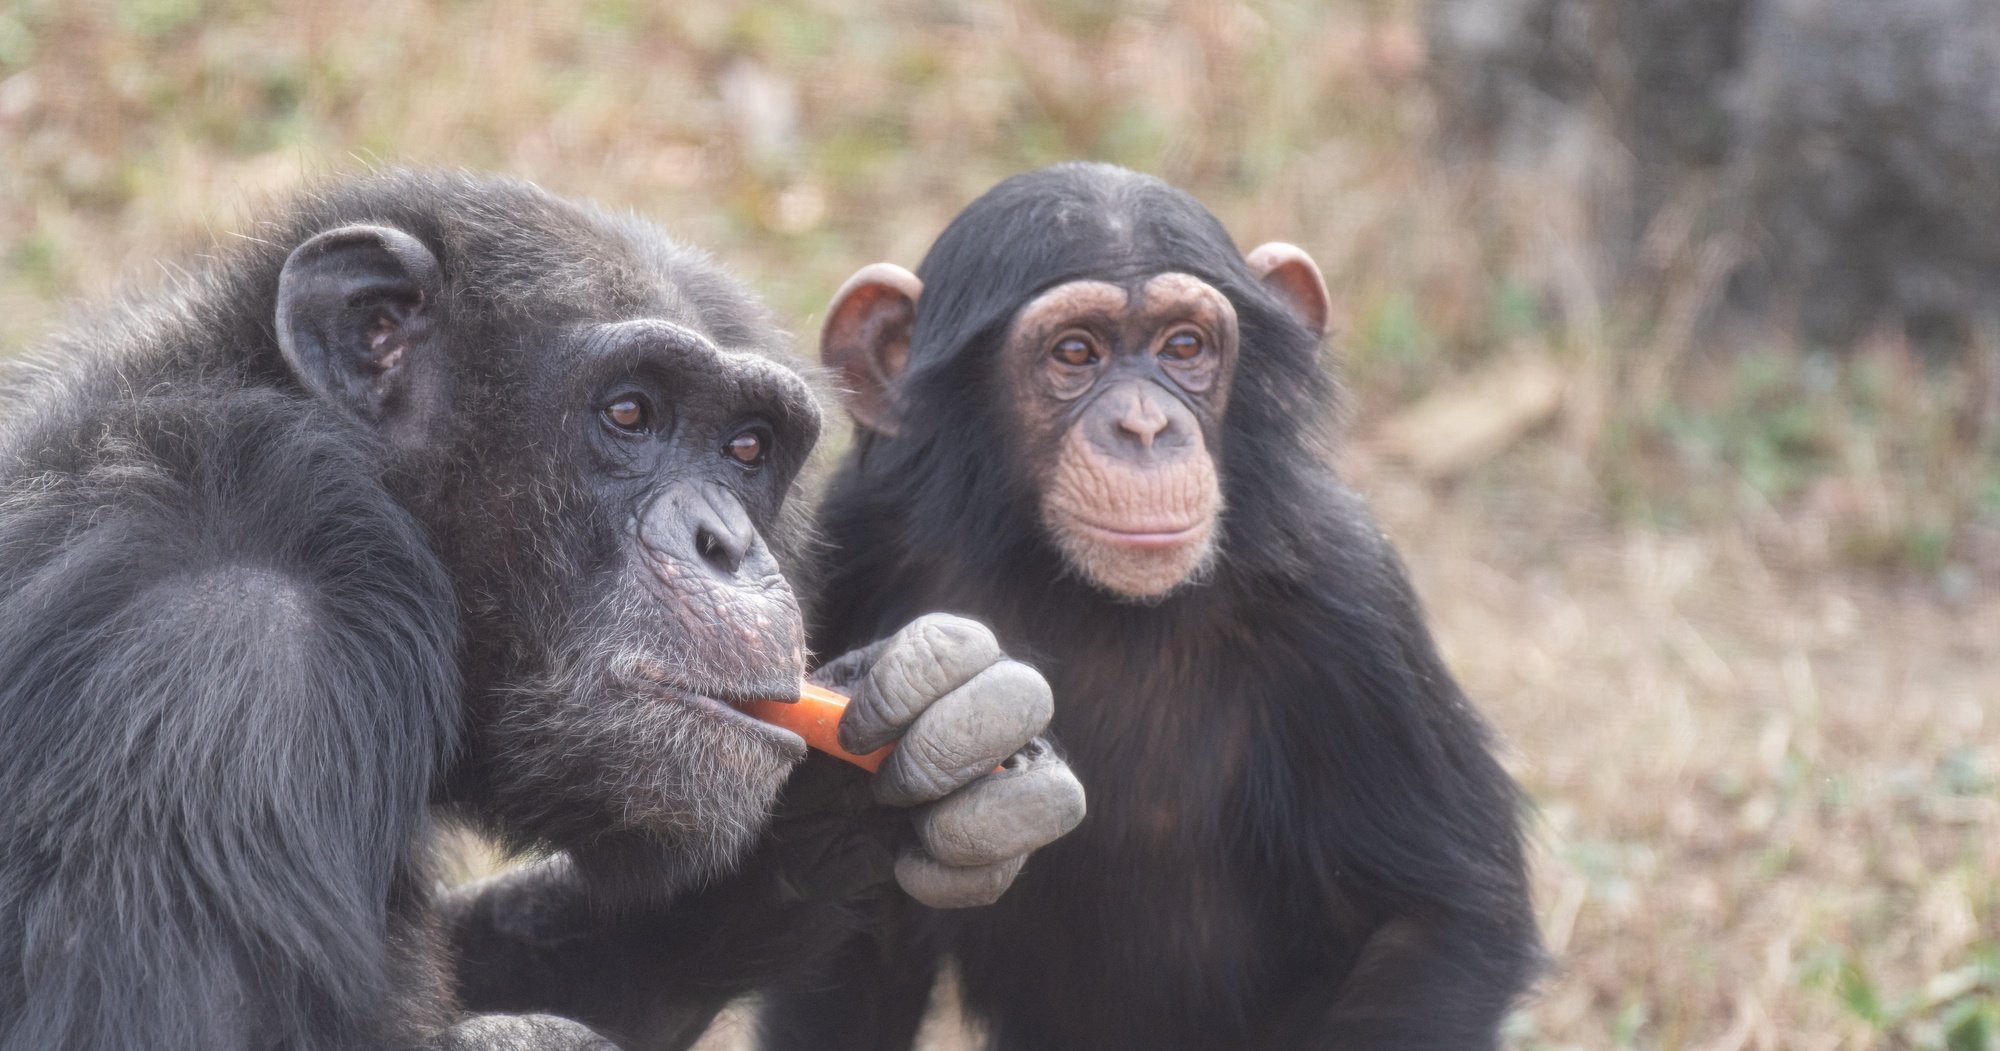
867, 338
1287, 270
357, 317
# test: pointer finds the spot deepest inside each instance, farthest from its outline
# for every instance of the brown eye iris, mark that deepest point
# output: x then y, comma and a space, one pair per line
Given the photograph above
1074, 351
748, 448
628, 413
1182, 346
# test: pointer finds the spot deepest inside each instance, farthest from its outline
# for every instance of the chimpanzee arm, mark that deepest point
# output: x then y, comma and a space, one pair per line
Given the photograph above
226, 681
1415, 840
871, 995
653, 978
1416, 986
540, 938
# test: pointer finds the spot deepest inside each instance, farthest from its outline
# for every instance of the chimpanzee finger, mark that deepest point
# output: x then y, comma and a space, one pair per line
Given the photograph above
1032, 800
954, 887
966, 734
931, 657
844, 671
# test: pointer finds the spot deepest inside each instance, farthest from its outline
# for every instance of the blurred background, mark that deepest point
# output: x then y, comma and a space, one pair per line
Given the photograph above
1671, 330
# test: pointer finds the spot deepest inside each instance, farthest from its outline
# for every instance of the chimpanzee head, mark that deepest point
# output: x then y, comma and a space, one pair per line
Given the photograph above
599, 429
1099, 325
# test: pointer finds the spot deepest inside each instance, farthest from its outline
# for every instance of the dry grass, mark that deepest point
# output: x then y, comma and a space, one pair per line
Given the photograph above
1736, 615
1767, 795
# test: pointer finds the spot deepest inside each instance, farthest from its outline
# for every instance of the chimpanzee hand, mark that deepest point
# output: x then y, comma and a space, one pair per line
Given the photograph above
520, 1033
985, 788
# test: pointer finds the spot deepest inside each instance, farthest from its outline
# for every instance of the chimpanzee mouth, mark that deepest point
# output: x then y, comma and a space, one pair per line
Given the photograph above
729, 704
1147, 537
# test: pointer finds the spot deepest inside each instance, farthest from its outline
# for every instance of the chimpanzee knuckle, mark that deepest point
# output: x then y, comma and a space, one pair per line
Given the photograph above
927, 660
965, 635
991, 717
1003, 815
915, 673
918, 772
955, 830
907, 673
1020, 694
966, 734
943, 886
1052, 796
957, 648
988, 719
882, 707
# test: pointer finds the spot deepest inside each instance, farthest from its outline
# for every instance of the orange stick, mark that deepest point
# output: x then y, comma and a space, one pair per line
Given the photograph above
815, 716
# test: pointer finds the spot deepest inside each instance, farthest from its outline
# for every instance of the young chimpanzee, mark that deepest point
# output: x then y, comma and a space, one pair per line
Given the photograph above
441, 490
1090, 421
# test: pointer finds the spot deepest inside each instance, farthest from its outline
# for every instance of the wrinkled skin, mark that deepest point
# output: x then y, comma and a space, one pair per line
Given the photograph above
957, 709
1122, 392
536, 938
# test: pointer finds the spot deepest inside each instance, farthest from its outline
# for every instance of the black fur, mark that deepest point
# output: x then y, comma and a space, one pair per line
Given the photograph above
1298, 834
246, 641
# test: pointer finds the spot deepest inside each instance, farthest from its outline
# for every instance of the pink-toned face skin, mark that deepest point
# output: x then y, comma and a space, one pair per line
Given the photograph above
1116, 394
1119, 399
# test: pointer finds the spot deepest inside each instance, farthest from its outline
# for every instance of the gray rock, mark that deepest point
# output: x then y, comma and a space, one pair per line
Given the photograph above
1846, 151
1869, 158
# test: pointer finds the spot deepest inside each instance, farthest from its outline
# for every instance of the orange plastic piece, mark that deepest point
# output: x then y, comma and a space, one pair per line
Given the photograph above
815, 716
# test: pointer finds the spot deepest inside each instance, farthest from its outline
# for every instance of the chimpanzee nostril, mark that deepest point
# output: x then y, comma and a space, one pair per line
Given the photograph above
1137, 421
703, 528
723, 531
720, 549
1140, 418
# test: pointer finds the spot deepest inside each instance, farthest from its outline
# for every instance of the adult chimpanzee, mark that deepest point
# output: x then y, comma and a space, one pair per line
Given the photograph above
439, 489
1090, 421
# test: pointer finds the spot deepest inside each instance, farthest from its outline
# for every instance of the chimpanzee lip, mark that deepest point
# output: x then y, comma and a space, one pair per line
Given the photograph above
1147, 537
790, 743
729, 705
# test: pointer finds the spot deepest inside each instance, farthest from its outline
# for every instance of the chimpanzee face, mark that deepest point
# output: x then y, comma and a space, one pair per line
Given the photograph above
691, 449
1119, 394
1115, 389
603, 478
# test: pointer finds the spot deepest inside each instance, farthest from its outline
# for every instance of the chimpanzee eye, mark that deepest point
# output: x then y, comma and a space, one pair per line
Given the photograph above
1182, 346
630, 413
750, 447
1074, 350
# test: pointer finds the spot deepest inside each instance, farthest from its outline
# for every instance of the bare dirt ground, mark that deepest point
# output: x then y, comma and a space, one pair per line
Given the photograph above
1760, 789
